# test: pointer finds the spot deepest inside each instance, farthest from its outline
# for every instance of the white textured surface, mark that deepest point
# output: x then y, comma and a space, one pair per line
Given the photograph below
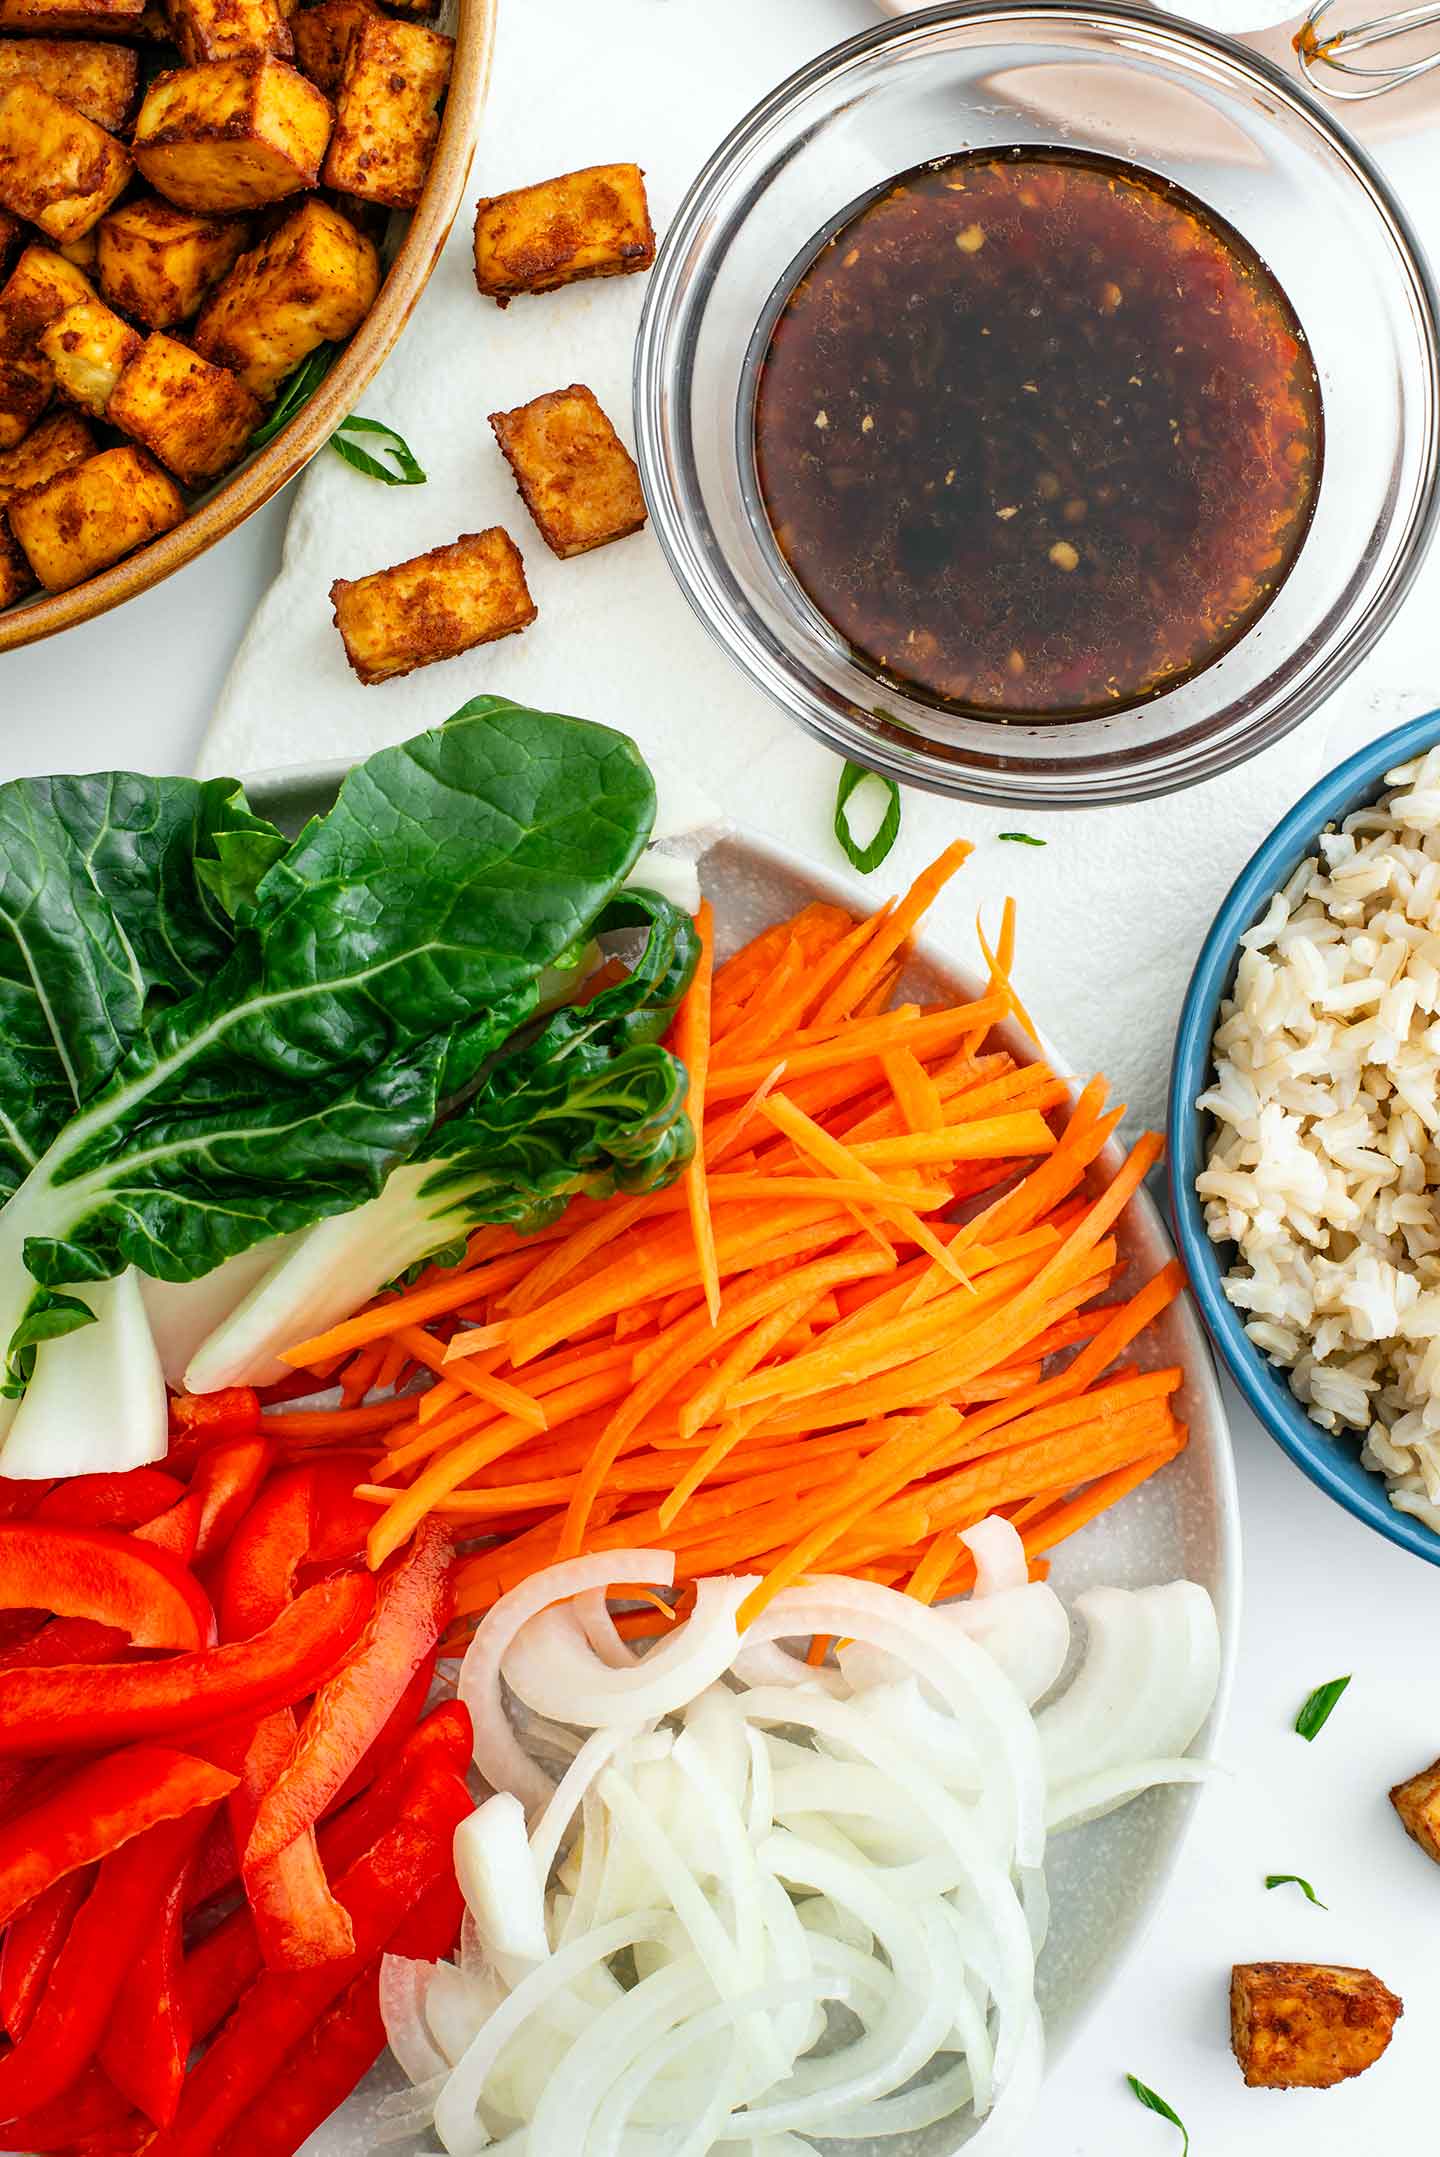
1112, 913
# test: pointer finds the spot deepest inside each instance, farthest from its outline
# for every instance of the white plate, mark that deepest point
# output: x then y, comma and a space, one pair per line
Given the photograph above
1106, 1879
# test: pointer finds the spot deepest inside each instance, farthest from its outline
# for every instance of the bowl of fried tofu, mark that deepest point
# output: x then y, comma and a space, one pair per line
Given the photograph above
215, 219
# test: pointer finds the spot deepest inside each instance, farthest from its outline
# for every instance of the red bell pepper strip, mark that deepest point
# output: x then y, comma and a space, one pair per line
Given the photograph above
379, 1890
257, 1578
298, 1921
96, 1573
76, 1709
95, 1810
352, 1707
35, 1937
343, 2045
177, 1529
18, 1626
67, 1640
145, 2048
200, 1419
218, 1970
342, 1521
90, 2114
19, 1496
117, 1500
391, 1741
227, 1482
91, 1967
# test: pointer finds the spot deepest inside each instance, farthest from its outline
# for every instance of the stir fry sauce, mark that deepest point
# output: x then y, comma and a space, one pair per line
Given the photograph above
1037, 434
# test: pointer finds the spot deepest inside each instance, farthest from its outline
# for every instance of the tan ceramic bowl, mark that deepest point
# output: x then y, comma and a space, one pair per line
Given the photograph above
243, 491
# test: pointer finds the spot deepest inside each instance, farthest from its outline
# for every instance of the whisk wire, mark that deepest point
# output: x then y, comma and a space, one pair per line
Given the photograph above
1322, 57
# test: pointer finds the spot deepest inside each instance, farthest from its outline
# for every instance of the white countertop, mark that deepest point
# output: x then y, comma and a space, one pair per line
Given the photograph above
1323, 1596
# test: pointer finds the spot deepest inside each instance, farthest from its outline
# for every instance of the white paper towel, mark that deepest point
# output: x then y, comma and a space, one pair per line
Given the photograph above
1114, 907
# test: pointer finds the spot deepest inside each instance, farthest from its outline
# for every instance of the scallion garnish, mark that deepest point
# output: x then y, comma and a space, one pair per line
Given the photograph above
405, 470
1316, 1712
299, 388
1154, 2103
1019, 838
866, 856
1293, 1879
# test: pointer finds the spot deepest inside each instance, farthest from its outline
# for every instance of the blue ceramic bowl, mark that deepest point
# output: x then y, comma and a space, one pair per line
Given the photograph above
1333, 1463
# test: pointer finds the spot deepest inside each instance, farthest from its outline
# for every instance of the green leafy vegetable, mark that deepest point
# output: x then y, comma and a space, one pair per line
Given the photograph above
868, 855
49, 1318
1154, 2103
589, 1103
1317, 1710
1020, 838
1293, 1879
297, 390
404, 469
193, 1062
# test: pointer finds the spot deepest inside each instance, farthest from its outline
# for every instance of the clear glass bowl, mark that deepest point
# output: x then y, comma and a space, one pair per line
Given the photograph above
1129, 83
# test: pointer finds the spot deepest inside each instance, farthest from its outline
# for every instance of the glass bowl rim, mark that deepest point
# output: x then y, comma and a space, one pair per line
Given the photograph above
1090, 781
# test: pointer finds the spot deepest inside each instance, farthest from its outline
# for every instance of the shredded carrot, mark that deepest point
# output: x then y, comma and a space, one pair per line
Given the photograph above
692, 1046
918, 1236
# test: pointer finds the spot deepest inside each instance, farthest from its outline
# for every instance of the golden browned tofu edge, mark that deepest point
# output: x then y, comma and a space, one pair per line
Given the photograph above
387, 111
99, 79
58, 170
593, 222
93, 514
1308, 2025
575, 475
433, 606
195, 417
60, 440
1417, 1801
193, 119
159, 262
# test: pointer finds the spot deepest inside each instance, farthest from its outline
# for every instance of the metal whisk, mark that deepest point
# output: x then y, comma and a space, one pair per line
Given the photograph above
1323, 58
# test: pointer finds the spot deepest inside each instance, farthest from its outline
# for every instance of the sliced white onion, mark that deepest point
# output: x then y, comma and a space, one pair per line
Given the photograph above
497, 1879
1152, 1663
499, 1756
403, 1985
550, 1665
762, 1840
999, 1553
1090, 1796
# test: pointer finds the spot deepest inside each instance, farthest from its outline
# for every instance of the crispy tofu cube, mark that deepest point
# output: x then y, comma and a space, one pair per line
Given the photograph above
1308, 2025
387, 111
40, 287
575, 475
433, 607
86, 18
594, 223
1418, 1804
232, 134
322, 37
228, 29
195, 417
57, 168
57, 443
16, 576
158, 262
84, 253
89, 347
311, 282
98, 80
84, 519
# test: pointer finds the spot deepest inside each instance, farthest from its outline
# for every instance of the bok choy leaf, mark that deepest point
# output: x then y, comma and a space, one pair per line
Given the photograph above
590, 1103
210, 1041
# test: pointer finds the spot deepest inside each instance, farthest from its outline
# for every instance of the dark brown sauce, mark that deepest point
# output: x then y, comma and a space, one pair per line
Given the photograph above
1037, 433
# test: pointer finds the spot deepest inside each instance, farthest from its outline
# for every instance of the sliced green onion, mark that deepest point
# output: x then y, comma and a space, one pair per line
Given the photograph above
299, 388
1293, 1879
1154, 2103
1019, 838
405, 471
1316, 1712
866, 856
